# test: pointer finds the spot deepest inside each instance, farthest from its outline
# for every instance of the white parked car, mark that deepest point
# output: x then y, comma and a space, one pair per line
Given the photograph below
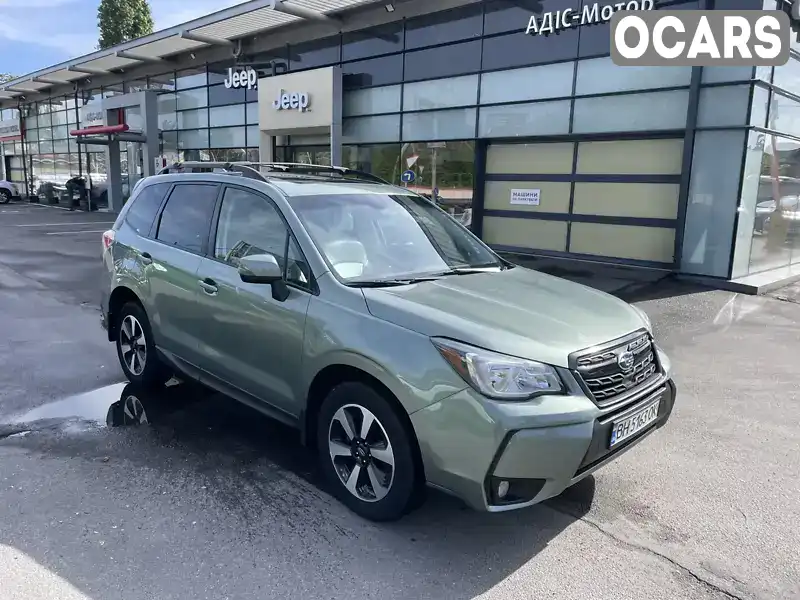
8, 190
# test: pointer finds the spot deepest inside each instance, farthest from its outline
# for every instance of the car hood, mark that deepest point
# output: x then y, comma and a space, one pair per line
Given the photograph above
518, 311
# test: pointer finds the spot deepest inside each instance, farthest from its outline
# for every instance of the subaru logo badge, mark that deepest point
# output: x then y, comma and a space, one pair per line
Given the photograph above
625, 361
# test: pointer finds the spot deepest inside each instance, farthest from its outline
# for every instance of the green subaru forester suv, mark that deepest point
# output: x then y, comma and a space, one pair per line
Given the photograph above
403, 348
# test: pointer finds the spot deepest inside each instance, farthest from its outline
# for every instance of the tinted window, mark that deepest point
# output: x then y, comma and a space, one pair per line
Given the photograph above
144, 207
368, 73
248, 224
512, 15
371, 42
445, 61
297, 269
186, 217
595, 39
219, 94
314, 54
440, 28
731, 5
218, 73
519, 50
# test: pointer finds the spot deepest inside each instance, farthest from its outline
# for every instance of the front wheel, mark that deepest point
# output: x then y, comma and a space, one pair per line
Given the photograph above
136, 350
366, 453
5, 196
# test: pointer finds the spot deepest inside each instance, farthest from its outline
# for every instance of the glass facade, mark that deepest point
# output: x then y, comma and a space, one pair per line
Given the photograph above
427, 101
768, 232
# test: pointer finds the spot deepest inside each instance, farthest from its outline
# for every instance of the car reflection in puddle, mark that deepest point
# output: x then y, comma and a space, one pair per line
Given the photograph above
203, 421
139, 406
118, 405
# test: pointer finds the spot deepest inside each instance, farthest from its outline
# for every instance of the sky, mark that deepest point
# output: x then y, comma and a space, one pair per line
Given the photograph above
35, 34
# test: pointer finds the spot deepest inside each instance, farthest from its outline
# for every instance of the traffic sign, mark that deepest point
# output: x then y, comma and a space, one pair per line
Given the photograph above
408, 176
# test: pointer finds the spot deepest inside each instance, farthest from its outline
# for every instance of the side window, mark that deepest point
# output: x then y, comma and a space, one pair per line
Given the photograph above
297, 269
249, 224
186, 217
144, 207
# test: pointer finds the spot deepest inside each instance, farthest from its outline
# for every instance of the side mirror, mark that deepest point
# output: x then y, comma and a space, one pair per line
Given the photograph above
260, 268
264, 268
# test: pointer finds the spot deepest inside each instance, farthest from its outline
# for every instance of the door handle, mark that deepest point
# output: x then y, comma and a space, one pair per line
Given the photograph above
146, 258
209, 286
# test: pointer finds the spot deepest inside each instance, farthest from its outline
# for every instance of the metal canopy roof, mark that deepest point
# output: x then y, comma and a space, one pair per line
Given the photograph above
222, 28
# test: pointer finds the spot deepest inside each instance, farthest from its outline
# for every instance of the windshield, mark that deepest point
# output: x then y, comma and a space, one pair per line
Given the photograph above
381, 236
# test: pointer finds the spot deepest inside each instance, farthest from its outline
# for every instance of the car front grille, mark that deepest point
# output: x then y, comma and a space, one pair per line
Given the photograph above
608, 376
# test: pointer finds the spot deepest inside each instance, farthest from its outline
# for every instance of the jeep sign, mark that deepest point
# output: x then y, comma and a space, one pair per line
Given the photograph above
291, 100
240, 79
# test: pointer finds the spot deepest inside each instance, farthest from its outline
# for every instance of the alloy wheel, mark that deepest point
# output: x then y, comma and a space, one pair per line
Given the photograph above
133, 345
361, 453
133, 412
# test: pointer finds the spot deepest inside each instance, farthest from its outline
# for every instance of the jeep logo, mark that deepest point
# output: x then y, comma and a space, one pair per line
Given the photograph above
291, 101
240, 79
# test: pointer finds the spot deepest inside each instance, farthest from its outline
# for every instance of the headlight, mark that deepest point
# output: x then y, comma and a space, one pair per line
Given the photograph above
645, 318
497, 375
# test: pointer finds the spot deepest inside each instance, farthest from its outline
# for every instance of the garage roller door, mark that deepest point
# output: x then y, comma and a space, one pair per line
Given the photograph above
600, 199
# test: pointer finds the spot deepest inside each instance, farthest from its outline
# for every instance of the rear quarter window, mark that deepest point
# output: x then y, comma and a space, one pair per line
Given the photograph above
141, 210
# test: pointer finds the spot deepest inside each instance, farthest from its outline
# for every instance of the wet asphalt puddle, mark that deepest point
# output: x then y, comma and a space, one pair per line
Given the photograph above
118, 405
216, 433
201, 421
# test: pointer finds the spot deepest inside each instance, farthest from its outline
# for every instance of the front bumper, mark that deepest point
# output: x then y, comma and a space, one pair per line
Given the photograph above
540, 447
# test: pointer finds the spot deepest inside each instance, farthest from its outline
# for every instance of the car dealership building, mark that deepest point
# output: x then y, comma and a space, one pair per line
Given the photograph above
529, 135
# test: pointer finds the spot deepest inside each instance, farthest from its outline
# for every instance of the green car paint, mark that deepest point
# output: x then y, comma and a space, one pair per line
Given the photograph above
271, 353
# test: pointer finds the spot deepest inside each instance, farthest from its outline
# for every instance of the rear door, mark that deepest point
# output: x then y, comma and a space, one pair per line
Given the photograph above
179, 240
248, 338
123, 260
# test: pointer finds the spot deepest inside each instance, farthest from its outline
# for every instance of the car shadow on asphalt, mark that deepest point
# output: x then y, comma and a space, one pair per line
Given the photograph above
235, 450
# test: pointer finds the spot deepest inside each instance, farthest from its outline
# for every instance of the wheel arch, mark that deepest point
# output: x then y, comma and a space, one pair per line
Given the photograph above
119, 298
340, 372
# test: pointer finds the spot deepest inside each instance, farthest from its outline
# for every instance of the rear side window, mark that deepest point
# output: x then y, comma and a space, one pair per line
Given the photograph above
187, 216
144, 207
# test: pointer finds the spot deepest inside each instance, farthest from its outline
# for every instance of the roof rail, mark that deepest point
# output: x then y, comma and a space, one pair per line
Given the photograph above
243, 168
256, 170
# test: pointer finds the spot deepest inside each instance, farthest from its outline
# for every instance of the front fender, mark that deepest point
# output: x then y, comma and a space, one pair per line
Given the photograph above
404, 361
349, 358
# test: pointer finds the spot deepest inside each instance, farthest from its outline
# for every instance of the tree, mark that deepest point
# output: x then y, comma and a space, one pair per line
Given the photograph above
6, 77
123, 20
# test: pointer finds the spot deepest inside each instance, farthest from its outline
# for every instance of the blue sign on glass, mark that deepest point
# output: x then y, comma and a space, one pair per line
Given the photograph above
408, 176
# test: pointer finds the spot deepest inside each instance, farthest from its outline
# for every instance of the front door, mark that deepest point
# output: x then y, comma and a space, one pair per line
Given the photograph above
251, 340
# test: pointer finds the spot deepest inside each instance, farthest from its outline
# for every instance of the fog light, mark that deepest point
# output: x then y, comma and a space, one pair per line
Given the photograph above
502, 489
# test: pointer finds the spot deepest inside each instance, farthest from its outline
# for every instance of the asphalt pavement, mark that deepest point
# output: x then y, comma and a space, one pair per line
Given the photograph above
210, 500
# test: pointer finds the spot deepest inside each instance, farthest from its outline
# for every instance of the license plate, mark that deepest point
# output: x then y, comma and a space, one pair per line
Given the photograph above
630, 426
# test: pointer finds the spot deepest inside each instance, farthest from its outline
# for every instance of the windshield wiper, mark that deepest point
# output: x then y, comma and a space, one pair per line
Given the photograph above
379, 283
468, 270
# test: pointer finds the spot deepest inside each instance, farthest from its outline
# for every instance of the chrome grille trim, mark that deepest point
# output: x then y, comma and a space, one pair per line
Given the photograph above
603, 379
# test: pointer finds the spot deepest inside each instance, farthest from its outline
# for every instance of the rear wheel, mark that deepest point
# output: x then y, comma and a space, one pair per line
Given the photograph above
366, 453
5, 196
136, 350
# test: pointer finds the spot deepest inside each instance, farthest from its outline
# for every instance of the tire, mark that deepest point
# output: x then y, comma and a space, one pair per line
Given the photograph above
139, 360
397, 485
5, 196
